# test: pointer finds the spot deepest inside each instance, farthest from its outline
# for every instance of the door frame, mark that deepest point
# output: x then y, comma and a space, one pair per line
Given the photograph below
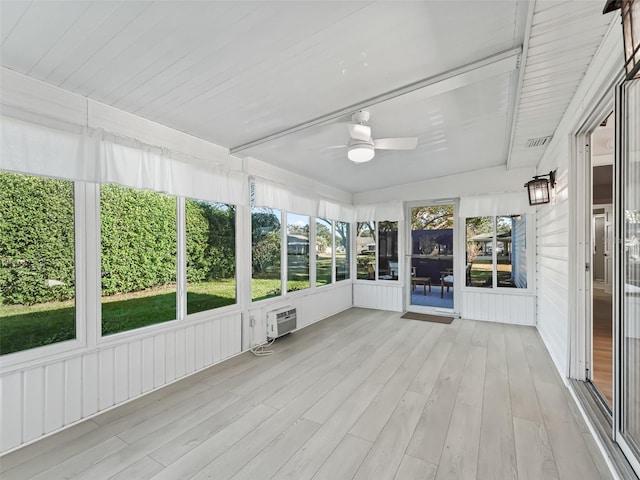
457, 275
618, 274
580, 229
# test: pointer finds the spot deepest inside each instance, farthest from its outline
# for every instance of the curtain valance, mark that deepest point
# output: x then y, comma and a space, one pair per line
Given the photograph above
390, 211
497, 204
92, 155
274, 196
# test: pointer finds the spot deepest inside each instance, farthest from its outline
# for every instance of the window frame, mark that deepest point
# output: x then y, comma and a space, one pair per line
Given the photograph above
376, 236
530, 246
25, 358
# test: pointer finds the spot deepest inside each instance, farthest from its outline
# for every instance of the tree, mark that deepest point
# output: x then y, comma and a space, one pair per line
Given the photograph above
266, 252
436, 217
263, 221
323, 235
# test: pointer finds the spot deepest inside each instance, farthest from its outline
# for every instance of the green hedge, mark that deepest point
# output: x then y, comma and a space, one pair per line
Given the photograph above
138, 240
36, 239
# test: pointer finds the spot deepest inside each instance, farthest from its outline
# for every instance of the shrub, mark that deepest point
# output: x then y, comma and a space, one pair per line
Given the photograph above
36, 239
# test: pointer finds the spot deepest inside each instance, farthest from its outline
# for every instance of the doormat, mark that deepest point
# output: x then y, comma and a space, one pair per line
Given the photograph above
427, 318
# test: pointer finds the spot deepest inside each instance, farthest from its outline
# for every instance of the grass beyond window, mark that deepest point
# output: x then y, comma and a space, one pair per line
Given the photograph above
41, 324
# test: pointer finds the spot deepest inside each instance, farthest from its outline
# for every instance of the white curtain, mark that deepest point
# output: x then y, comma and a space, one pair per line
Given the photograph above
336, 211
498, 204
65, 151
390, 211
274, 196
92, 155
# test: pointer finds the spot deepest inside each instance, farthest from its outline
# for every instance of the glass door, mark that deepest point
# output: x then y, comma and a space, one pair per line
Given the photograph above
628, 385
431, 285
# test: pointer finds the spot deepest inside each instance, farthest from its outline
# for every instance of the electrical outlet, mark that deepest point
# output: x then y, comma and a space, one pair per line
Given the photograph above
252, 321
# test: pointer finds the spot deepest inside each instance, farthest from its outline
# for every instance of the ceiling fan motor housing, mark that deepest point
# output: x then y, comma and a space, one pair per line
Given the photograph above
361, 116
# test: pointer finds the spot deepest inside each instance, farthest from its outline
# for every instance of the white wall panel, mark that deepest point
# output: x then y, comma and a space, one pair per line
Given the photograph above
181, 358
312, 306
148, 364
73, 390
514, 308
190, 350
90, 384
54, 397
47, 397
378, 296
121, 370
159, 362
135, 368
170, 356
199, 346
217, 355
107, 380
33, 404
11, 397
553, 220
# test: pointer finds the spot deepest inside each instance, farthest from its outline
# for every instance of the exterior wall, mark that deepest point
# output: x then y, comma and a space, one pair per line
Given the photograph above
518, 245
556, 222
552, 273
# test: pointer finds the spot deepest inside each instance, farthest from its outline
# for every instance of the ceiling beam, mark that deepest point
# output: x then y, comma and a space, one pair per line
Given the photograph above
516, 100
458, 77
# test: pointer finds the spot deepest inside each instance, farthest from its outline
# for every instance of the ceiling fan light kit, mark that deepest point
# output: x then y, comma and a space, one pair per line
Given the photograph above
362, 148
360, 152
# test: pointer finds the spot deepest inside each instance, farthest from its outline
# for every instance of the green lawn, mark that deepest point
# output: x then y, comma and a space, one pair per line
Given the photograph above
23, 327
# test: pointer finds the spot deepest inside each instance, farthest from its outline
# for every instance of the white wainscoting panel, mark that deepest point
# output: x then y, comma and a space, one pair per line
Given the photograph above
45, 398
499, 307
378, 296
312, 306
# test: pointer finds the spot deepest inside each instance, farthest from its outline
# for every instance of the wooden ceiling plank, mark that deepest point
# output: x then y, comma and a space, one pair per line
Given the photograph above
77, 34
99, 37
37, 31
10, 15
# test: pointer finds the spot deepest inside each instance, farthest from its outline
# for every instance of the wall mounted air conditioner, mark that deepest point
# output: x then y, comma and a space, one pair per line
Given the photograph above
281, 321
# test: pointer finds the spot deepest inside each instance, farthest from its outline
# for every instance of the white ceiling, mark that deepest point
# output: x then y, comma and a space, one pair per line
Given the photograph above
235, 72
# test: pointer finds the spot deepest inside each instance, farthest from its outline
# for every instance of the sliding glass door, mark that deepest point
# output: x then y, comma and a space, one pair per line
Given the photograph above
628, 420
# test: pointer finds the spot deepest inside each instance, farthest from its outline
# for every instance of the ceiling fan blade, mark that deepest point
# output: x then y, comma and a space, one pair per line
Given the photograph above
359, 131
403, 143
332, 147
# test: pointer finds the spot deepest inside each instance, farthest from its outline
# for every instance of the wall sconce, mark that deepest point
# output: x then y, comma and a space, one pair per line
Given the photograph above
630, 13
538, 188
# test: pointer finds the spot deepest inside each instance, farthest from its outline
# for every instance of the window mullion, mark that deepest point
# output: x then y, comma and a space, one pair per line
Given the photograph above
181, 263
284, 269
89, 254
494, 253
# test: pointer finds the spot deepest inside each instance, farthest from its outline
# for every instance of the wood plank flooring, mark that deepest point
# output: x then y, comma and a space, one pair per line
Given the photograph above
363, 395
602, 375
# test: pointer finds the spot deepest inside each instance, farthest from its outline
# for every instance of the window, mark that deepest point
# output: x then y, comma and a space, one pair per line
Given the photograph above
366, 251
496, 251
211, 255
297, 252
266, 241
37, 262
138, 258
377, 259
388, 250
324, 252
343, 250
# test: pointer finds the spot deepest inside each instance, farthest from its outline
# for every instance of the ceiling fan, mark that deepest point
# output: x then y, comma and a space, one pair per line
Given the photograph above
361, 147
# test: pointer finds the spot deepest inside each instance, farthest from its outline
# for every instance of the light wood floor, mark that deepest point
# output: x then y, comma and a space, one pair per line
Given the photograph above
363, 395
602, 375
